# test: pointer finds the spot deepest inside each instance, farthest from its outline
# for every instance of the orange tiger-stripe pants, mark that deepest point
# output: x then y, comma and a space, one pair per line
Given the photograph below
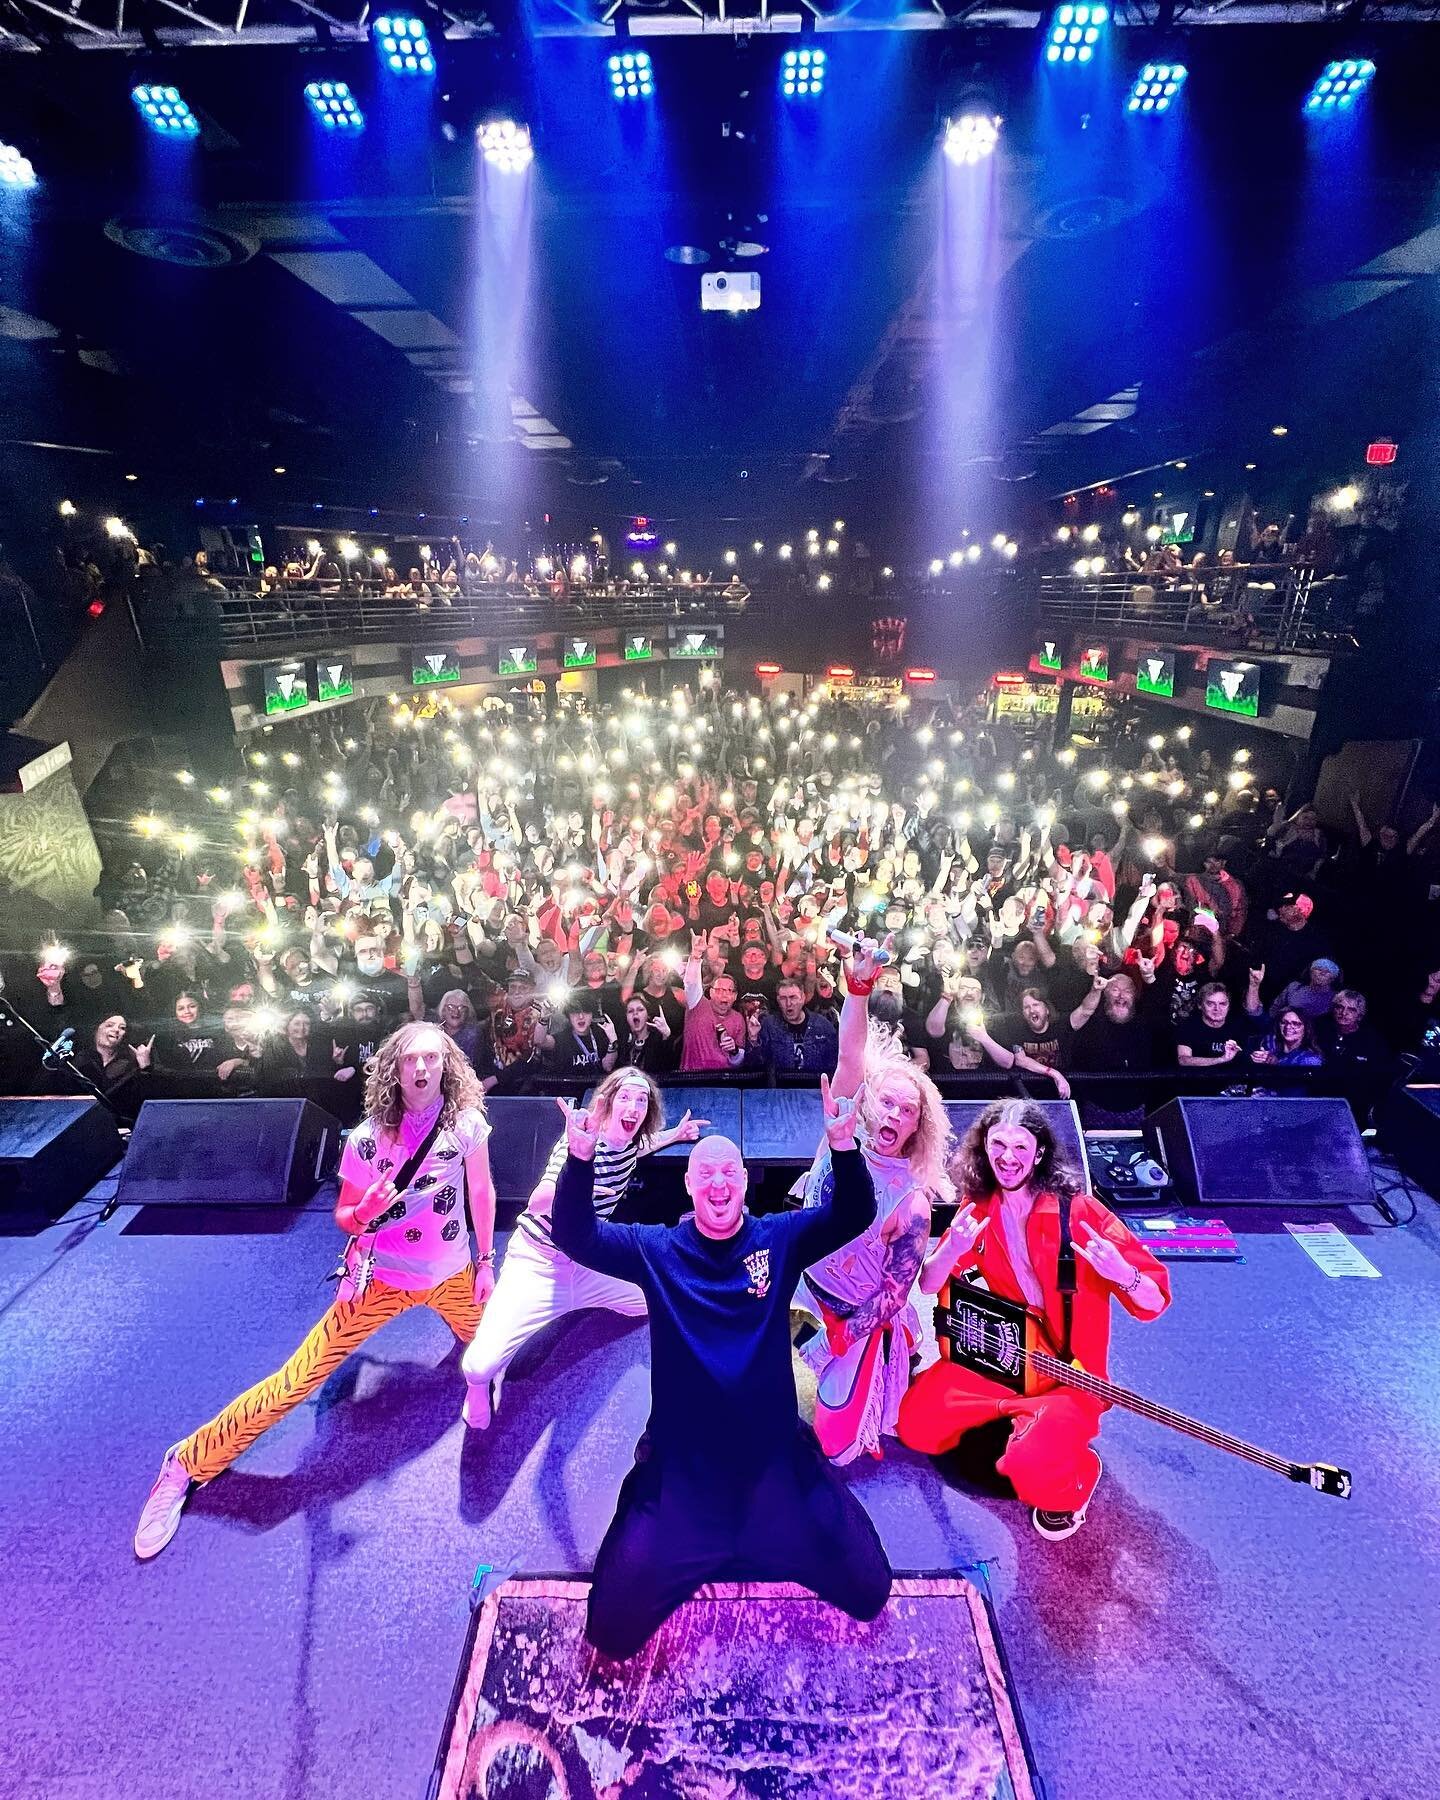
347, 1324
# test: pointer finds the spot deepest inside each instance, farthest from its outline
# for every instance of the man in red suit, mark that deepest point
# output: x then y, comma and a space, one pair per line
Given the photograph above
1011, 1181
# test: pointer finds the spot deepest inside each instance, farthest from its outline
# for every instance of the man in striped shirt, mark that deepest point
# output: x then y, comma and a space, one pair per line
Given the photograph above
538, 1282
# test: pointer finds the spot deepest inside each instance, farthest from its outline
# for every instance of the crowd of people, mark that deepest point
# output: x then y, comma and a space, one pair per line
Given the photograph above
652, 883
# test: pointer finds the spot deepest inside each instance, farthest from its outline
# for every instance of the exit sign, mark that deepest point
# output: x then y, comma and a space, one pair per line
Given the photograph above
1381, 452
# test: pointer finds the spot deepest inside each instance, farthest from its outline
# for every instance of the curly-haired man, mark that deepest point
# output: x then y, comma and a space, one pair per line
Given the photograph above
414, 1177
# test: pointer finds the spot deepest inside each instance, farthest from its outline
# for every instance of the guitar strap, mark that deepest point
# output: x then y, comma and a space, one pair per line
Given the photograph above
1065, 1277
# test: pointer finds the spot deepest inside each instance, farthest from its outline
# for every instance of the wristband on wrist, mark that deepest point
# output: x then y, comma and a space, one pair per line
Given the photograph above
860, 989
488, 1257
1133, 1283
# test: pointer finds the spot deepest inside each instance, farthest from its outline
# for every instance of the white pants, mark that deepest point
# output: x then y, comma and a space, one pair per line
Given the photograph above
538, 1283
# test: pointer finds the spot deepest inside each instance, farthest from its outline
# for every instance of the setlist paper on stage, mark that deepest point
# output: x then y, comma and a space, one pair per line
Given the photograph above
1330, 1250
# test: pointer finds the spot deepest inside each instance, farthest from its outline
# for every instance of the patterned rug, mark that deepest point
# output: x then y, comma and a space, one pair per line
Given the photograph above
749, 1692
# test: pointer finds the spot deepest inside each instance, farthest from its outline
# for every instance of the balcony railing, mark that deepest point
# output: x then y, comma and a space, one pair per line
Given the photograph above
235, 611
1264, 606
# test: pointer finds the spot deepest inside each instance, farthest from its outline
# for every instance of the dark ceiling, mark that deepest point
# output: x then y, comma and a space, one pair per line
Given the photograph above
1151, 290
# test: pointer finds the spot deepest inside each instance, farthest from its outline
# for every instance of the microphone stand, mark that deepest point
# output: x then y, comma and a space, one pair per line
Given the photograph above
53, 1059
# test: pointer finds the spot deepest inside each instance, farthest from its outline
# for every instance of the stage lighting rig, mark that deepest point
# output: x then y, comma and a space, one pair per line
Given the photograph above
17, 171
404, 44
632, 76
1155, 87
972, 137
164, 111
1075, 32
1340, 85
802, 74
334, 106
505, 145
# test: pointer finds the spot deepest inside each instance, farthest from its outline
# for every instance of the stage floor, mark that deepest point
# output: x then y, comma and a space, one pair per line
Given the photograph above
1213, 1631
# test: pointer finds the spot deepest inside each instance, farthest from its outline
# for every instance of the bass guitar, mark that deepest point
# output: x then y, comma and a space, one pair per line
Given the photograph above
1000, 1339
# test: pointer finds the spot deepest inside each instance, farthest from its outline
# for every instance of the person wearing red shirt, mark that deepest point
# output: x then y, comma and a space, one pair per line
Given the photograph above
1010, 1176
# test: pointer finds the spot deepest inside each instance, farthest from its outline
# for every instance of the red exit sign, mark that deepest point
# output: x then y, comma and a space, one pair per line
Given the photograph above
1382, 451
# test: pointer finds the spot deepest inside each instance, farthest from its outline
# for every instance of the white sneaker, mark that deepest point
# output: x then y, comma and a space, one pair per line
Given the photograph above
1057, 1526
160, 1519
477, 1411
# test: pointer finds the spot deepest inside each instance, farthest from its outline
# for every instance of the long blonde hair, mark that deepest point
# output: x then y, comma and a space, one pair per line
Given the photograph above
929, 1151
459, 1084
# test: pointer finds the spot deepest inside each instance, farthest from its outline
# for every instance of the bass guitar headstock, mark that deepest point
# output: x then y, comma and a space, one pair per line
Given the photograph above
1325, 1478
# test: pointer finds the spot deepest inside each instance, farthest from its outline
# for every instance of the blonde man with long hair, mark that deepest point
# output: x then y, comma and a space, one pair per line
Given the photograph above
415, 1178
861, 1357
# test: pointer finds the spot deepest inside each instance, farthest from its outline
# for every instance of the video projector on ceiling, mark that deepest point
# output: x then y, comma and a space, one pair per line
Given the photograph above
724, 292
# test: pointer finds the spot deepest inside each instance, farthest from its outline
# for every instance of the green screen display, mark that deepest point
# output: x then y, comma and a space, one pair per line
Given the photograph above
1095, 663
1048, 655
639, 648
1233, 688
334, 678
287, 688
695, 643
516, 659
434, 667
1155, 673
579, 653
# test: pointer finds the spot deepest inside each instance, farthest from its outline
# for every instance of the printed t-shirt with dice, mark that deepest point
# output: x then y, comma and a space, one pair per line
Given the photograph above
422, 1240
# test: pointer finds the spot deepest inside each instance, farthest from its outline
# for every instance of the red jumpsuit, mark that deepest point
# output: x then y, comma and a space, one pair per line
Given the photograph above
1048, 1459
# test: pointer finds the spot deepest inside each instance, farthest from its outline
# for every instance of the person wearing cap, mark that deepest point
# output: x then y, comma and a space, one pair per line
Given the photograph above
1216, 889
586, 1044
1314, 995
1288, 941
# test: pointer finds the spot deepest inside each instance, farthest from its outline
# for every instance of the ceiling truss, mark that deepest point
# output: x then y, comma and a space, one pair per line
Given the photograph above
39, 26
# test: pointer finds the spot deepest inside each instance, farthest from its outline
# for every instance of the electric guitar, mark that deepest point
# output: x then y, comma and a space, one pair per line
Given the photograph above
1000, 1339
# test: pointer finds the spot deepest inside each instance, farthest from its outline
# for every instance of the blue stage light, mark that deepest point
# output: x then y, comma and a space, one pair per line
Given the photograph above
164, 111
632, 76
403, 45
802, 74
334, 106
16, 170
1075, 32
1155, 87
1340, 85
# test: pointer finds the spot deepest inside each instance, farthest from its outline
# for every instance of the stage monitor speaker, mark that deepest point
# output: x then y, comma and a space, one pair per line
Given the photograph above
228, 1153
1062, 1116
1261, 1150
53, 1151
523, 1130
1409, 1124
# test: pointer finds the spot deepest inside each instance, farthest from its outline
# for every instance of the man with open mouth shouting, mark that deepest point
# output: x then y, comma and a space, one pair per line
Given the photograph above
861, 1358
414, 1180
728, 1484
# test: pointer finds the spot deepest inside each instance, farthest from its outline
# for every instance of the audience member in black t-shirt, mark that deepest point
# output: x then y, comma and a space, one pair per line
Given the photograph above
190, 1044
1209, 1039
1036, 1040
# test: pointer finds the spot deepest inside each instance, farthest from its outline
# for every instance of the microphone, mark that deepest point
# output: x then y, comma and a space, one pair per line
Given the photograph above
847, 940
61, 1050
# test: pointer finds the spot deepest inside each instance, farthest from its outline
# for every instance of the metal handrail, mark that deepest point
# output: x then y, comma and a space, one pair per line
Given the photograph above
1270, 606
233, 610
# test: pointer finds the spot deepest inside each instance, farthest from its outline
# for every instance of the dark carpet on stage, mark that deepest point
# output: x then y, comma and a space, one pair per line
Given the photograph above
1212, 1631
